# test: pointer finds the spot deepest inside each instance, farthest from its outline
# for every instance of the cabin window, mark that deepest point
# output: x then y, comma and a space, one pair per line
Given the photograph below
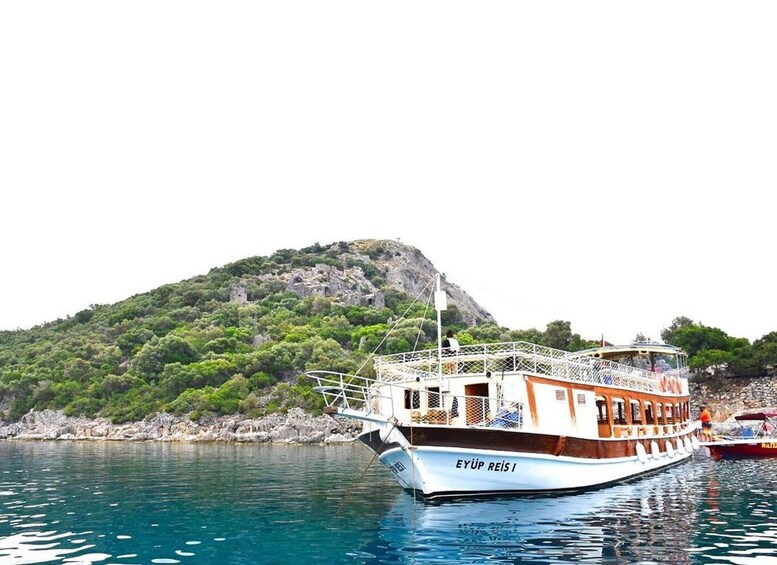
434, 397
412, 399
659, 413
619, 411
636, 413
650, 417
561, 394
601, 411
669, 412
581, 399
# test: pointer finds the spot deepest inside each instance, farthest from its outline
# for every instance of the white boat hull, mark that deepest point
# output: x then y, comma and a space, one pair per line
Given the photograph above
440, 471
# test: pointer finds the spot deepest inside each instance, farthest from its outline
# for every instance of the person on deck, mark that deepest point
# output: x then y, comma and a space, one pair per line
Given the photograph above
706, 423
450, 346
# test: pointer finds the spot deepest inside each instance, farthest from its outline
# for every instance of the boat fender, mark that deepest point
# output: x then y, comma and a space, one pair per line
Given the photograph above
678, 445
390, 434
669, 449
663, 384
641, 453
654, 450
688, 444
695, 443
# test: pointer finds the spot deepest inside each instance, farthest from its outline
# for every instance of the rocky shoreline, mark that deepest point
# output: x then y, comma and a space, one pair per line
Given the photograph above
726, 398
294, 427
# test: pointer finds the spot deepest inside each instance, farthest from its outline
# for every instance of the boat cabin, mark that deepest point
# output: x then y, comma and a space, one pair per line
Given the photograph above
611, 392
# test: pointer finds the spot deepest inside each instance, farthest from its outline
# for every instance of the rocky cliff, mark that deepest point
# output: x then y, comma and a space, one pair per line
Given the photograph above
294, 427
400, 266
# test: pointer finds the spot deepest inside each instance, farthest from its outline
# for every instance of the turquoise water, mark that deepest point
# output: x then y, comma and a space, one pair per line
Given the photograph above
64, 502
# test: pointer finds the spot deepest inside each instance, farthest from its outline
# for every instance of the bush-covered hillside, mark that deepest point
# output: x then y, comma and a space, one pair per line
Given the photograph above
200, 347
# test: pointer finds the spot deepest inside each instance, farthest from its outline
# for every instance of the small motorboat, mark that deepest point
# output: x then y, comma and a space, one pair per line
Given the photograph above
756, 436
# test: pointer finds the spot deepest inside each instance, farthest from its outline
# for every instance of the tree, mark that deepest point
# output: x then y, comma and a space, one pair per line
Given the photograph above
487, 332
744, 362
713, 360
532, 335
558, 335
695, 338
152, 358
667, 334
765, 350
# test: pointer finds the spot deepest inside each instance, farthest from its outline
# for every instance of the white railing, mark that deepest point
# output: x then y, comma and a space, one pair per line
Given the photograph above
386, 401
524, 357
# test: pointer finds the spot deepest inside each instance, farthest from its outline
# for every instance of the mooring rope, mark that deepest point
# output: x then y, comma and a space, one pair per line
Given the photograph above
356, 484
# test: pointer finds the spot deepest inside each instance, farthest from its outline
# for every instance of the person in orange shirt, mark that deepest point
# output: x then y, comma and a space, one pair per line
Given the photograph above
706, 423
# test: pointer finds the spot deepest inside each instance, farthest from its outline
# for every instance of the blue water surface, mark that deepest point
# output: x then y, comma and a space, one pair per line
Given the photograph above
69, 502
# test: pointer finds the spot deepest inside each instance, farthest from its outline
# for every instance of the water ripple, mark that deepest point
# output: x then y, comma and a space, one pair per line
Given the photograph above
83, 503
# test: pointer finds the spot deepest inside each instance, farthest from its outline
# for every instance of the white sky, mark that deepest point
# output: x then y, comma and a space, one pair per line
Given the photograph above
607, 163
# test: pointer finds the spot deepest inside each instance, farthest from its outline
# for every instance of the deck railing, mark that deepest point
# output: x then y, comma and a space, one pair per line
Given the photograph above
383, 400
526, 357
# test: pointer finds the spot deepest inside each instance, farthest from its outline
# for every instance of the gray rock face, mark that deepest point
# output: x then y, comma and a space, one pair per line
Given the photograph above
732, 396
294, 427
349, 286
403, 267
408, 269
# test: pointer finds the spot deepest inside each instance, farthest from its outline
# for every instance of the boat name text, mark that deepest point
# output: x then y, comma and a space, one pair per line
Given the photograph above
478, 464
396, 467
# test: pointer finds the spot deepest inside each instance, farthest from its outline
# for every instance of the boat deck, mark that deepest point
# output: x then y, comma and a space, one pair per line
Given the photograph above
512, 357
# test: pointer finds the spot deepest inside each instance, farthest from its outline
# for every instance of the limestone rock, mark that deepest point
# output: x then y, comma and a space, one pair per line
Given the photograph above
294, 427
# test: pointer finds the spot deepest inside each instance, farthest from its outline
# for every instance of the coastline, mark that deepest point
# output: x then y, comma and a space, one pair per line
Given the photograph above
296, 426
725, 397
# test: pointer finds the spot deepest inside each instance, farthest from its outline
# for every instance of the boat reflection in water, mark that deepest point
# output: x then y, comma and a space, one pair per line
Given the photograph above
650, 520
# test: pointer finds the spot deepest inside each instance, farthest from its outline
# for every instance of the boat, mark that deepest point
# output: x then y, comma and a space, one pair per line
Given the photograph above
517, 418
756, 436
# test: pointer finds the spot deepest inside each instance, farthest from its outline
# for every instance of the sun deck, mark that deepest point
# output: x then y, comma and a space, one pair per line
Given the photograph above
500, 358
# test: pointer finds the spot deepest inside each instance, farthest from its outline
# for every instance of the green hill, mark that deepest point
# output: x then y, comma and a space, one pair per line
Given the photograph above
234, 340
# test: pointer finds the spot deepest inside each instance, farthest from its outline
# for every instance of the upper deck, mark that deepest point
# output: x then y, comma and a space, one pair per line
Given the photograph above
590, 366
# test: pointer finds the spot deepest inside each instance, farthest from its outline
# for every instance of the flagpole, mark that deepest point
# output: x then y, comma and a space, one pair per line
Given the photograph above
440, 305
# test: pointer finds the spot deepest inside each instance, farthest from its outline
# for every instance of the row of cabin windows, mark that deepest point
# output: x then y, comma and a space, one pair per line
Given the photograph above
663, 413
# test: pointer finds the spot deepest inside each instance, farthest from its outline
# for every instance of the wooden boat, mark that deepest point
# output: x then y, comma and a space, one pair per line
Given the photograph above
755, 437
519, 417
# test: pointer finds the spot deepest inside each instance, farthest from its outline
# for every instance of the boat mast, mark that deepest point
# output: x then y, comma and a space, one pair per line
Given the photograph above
440, 304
